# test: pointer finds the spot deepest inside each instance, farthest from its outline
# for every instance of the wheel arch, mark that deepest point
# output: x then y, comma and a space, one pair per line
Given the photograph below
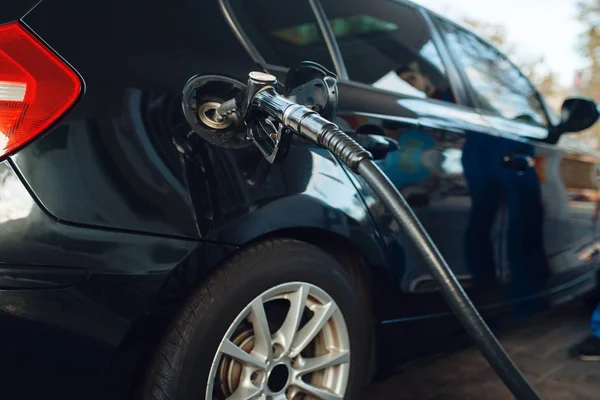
356, 247
318, 219
374, 277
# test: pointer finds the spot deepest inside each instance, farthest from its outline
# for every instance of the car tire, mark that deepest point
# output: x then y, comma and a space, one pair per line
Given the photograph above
194, 359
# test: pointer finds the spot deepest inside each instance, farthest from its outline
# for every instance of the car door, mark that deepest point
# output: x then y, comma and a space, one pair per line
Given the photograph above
399, 85
548, 227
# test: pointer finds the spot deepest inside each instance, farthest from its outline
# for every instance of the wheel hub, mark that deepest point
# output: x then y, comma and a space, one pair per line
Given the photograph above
279, 377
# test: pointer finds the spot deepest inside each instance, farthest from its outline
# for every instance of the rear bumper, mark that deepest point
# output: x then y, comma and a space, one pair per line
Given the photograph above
67, 343
75, 302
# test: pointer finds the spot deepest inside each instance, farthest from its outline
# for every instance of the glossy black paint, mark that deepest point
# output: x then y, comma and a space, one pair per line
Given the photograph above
72, 296
437, 191
15, 9
123, 132
118, 211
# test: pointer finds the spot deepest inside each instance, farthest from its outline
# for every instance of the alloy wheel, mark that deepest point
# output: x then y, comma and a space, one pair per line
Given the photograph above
291, 342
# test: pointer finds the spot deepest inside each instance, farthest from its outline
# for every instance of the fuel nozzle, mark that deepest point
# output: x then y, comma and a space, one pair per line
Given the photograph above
260, 114
263, 124
257, 81
271, 118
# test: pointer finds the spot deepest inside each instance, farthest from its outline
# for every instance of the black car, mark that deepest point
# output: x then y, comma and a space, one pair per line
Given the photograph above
141, 259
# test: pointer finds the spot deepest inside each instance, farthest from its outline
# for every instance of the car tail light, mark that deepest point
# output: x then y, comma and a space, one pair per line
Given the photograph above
36, 87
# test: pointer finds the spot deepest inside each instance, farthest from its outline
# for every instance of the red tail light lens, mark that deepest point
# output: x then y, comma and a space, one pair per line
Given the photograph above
36, 87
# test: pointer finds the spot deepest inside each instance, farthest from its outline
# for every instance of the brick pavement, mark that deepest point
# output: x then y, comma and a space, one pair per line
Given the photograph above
538, 346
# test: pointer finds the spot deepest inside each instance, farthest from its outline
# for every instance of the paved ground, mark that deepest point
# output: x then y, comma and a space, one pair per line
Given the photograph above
538, 348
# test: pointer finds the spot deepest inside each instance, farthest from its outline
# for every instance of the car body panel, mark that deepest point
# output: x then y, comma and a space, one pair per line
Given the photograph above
70, 296
547, 239
122, 134
567, 194
426, 168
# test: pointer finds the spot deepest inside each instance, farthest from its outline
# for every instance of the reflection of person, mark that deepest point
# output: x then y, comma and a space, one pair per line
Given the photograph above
412, 74
589, 349
405, 167
489, 183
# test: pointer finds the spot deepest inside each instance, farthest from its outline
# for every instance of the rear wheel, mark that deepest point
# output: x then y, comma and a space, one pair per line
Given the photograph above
282, 320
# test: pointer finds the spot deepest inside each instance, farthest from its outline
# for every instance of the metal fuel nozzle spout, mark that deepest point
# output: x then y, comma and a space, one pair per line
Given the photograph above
271, 118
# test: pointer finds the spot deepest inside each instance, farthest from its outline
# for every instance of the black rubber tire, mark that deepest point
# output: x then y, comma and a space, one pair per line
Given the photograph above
182, 362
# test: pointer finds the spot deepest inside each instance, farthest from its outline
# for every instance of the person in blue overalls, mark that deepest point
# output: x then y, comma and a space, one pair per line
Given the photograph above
589, 348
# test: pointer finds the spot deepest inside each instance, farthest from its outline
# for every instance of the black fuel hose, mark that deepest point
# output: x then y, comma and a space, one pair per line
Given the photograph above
447, 282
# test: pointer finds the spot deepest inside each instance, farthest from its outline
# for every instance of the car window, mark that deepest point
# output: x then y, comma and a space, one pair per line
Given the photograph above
499, 86
285, 33
389, 46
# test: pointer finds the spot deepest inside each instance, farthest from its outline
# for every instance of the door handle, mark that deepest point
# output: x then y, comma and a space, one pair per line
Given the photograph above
518, 161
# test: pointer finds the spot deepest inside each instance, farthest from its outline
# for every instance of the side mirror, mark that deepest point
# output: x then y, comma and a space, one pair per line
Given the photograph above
578, 114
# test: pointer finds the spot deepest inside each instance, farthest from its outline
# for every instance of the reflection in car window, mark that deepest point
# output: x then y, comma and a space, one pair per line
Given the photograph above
499, 86
287, 40
430, 53
388, 45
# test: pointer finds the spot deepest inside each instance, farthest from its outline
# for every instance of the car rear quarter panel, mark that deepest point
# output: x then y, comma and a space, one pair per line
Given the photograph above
113, 165
112, 161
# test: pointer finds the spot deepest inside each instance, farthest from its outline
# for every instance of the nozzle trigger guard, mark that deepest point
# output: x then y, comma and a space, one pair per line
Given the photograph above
272, 142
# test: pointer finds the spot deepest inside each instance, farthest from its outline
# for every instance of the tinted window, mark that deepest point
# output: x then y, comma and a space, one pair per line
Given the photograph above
388, 45
284, 32
499, 86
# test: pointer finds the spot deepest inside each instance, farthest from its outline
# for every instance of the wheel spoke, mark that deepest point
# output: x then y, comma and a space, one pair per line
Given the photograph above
331, 359
288, 329
247, 392
235, 352
312, 327
262, 336
320, 393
